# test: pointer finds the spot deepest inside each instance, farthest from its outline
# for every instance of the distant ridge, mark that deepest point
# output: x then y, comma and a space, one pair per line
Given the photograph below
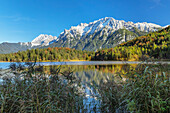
103, 33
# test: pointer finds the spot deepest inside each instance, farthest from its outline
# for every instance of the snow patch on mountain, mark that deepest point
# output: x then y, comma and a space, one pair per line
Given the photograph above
166, 26
43, 40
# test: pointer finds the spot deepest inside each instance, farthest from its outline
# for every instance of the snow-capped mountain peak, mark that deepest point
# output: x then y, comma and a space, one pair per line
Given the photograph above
43, 39
109, 23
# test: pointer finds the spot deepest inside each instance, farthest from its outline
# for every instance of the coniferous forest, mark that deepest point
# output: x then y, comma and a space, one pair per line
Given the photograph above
155, 45
47, 54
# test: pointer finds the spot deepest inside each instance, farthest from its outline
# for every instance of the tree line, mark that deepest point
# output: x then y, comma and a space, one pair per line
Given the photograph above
47, 54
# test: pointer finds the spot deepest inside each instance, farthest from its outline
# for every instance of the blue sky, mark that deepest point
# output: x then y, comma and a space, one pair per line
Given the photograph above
24, 20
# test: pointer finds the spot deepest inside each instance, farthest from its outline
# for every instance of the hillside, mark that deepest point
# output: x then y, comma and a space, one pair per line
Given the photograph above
13, 47
155, 45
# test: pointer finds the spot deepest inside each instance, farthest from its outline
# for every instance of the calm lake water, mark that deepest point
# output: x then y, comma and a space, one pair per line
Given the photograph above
5, 65
86, 71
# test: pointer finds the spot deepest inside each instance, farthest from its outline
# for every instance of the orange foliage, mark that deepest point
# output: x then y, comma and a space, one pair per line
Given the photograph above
137, 42
147, 42
67, 48
140, 44
56, 48
49, 49
46, 51
162, 37
111, 49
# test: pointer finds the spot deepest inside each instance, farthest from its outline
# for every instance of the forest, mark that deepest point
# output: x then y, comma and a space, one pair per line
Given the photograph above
47, 54
154, 45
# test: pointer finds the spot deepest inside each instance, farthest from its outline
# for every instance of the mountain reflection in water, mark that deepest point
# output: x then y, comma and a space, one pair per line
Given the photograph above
93, 73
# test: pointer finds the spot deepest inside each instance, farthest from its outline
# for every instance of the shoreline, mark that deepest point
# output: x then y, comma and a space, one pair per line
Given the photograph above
98, 62
4, 66
162, 60
53, 61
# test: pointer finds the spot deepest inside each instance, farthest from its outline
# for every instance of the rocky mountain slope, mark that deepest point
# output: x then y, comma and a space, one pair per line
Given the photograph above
103, 33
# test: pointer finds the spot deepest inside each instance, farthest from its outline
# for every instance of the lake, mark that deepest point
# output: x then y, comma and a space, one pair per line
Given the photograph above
86, 71
5, 65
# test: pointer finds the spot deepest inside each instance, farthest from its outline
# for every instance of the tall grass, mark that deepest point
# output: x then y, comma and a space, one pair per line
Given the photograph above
145, 90
31, 90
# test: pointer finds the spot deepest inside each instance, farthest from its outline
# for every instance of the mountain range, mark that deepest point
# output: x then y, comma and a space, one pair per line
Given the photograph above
103, 33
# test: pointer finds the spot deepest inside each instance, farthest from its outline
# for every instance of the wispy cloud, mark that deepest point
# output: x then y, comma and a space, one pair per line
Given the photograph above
156, 3
17, 18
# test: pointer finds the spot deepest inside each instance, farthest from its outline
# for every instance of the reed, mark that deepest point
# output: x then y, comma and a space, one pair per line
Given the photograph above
31, 90
146, 89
